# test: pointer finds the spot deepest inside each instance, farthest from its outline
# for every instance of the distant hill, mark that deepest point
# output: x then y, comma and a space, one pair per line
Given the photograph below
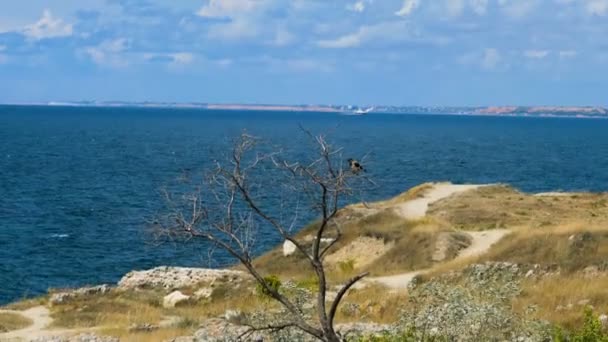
538, 111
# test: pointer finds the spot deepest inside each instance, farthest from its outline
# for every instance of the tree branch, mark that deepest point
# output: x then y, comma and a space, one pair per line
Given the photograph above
340, 295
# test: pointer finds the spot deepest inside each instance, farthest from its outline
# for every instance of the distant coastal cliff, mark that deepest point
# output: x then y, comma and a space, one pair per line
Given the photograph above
536, 111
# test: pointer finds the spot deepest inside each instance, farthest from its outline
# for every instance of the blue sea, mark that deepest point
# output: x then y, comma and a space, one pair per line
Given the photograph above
78, 185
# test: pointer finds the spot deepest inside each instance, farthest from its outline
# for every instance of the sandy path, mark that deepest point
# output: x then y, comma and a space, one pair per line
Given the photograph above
41, 318
416, 209
39, 315
481, 242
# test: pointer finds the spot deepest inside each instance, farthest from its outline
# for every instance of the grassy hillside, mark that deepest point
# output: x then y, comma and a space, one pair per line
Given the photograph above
564, 235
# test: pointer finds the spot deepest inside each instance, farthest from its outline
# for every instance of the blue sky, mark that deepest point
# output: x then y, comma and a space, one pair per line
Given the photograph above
400, 52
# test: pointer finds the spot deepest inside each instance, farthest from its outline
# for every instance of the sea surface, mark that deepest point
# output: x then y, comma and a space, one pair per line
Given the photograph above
78, 185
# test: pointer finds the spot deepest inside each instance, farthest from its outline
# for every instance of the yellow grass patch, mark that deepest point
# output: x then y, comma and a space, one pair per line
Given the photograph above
11, 321
557, 298
372, 304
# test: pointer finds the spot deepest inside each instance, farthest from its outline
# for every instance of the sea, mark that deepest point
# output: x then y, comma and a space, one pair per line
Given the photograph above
80, 185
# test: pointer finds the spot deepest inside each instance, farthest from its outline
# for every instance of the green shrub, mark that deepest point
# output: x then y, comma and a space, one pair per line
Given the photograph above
272, 281
402, 336
591, 331
347, 266
310, 284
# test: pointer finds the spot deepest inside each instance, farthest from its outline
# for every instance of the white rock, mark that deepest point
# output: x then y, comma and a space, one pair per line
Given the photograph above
604, 319
530, 273
289, 248
203, 293
174, 298
234, 316
64, 297
327, 240
583, 302
176, 277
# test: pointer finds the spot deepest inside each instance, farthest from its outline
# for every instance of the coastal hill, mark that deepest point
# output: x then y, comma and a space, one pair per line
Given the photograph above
538, 111
465, 261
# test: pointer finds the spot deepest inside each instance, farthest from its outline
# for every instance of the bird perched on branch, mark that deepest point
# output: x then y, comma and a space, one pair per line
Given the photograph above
355, 166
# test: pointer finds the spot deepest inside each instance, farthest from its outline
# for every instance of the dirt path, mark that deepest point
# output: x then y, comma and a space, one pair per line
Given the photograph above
41, 318
416, 209
481, 242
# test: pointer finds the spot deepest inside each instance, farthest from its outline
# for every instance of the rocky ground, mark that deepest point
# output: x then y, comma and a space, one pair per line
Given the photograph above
497, 264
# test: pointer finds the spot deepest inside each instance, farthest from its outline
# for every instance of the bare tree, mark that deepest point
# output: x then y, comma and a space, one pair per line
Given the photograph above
227, 211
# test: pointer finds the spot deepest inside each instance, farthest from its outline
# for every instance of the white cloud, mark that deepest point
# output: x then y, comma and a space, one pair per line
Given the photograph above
358, 6
294, 64
490, 59
224, 63
182, 58
518, 8
455, 8
228, 8
347, 41
282, 37
235, 30
304, 65
536, 54
389, 31
597, 7
48, 27
109, 53
479, 6
247, 18
564, 54
408, 7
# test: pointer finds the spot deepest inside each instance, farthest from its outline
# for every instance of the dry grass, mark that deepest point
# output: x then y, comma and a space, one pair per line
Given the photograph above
375, 304
160, 335
549, 293
504, 207
25, 304
408, 245
584, 249
113, 309
542, 227
11, 321
412, 194
119, 310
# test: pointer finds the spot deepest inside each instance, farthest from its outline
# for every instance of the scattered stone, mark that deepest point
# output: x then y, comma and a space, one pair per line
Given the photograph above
204, 293
170, 322
234, 316
174, 298
216, 330
591, 272
143, 327
530, 273
176, 277
583, 302
289, 248
604, 320
361, 329
327, 241
79, 338
449, 244
64, 297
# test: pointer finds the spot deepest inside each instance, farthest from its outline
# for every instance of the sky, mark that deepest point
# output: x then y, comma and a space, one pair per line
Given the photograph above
365, 52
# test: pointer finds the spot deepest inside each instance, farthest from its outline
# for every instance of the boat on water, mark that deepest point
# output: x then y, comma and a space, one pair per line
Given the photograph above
360, 111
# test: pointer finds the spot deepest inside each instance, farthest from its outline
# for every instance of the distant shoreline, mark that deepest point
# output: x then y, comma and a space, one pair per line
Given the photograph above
577, 112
